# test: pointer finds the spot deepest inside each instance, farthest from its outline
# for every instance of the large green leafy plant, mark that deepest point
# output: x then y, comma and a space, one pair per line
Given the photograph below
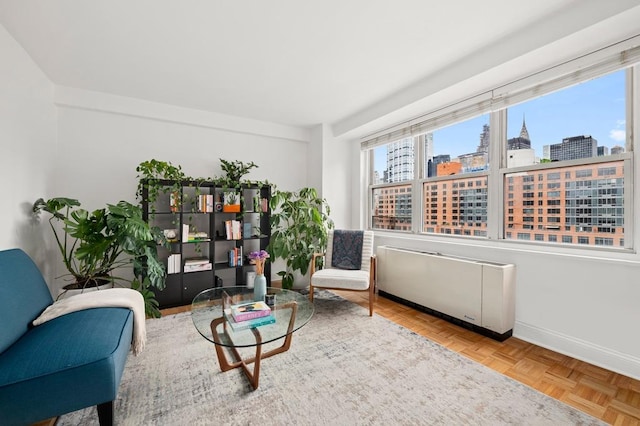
299, 226
96, 246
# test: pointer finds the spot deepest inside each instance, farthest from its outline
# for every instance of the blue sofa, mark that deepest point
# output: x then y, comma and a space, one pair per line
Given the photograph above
66, 364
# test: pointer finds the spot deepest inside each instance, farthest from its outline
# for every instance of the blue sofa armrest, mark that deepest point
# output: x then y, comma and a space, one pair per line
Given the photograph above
71, 362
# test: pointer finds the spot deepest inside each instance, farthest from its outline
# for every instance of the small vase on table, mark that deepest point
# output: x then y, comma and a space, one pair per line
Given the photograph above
259, 258
259, 288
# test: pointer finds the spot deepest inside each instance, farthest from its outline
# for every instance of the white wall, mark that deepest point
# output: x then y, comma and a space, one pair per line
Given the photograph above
331, 163
102, 138
28, 141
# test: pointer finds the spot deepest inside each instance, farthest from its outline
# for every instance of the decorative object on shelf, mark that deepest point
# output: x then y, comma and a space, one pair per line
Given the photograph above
231, 202
259, 258
95, 244
171, 234
299, 225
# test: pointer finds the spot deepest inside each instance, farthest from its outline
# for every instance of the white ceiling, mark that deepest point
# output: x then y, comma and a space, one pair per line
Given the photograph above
293, 62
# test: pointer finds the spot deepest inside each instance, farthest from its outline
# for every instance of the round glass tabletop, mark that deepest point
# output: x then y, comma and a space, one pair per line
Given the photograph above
290, 310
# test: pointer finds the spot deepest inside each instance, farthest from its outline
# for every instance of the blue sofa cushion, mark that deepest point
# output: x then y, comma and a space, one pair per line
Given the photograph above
24, 295
78, 358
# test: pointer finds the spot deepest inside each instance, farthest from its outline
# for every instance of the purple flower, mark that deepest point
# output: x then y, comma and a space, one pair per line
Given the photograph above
259, 255
259, 258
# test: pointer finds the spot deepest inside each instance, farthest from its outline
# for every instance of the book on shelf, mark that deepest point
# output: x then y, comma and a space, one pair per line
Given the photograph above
232, 229
198, 267
173, 264
249, 310
174, 201
192, 237
246, 230
185, 232
205, 203
235, 257
196, 261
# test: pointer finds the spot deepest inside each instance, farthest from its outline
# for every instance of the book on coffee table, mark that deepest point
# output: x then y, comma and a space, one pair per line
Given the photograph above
249, 310
248, 324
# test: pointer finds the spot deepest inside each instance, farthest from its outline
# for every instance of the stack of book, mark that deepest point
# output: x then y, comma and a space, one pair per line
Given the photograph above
235, 257
197, 264
205, 203
232, 229
173, 264
248, 315
193, 237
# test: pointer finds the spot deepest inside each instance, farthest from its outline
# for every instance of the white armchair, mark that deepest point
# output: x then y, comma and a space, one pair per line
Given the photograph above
345, 266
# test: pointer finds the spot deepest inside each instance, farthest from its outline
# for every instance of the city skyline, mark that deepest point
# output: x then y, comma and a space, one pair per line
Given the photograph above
595, 108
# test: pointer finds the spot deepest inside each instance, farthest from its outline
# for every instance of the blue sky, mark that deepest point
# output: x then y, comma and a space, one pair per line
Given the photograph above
595, 108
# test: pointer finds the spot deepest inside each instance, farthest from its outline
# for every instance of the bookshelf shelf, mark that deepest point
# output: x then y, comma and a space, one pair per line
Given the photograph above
196, 212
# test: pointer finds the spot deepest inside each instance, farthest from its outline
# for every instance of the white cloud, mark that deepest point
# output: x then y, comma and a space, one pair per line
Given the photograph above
617, 135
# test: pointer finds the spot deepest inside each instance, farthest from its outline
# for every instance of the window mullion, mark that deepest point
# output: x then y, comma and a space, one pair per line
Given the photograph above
497, 153
416, 194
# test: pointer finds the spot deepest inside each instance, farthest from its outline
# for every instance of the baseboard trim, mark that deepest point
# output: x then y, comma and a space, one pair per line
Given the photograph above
579, 349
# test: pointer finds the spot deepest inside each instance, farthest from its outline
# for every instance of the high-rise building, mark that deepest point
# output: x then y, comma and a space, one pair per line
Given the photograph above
574, 147
615, 150
603, 151
400, 160
485, 138
400, 157
522, 141
427, 141
571, 208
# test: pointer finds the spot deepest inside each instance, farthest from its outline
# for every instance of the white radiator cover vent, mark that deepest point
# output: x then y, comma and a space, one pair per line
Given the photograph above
479, 293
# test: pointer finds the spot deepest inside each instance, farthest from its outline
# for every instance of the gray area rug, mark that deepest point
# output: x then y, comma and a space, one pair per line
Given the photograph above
343, 368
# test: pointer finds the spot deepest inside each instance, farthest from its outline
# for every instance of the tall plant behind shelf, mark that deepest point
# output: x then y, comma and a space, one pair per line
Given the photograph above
299, 228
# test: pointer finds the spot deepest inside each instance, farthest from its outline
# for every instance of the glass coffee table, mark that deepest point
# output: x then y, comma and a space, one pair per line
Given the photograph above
291, 310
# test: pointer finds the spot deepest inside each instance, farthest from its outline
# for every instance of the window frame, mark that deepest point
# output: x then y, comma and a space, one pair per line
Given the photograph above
495, 103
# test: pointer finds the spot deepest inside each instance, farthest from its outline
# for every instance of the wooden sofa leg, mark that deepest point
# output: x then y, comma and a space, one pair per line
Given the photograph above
105, 413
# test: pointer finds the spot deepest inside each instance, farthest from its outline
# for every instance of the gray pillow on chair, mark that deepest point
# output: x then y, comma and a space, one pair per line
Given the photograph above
347, 249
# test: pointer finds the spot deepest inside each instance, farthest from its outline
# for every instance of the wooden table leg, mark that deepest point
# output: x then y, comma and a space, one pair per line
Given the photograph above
254, 376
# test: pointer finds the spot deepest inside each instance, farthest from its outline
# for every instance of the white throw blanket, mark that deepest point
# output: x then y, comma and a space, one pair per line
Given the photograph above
114, 297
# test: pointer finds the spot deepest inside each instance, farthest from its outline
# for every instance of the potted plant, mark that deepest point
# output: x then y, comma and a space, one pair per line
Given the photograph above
299, 225
151, 175
96, 245
235, 170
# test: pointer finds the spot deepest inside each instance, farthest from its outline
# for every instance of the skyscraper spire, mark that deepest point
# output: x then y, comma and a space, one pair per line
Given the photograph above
524, 133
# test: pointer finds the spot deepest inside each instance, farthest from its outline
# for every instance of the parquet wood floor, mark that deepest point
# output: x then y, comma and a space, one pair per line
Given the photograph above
609, 396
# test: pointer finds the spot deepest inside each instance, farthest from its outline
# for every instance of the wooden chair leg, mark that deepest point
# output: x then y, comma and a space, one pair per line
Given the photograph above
311, 292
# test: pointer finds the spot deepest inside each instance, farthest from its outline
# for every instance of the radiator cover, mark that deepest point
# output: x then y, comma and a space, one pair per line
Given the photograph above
477, 294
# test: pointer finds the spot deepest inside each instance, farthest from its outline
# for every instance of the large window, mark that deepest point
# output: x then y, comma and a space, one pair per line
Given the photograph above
558, 158
582, 124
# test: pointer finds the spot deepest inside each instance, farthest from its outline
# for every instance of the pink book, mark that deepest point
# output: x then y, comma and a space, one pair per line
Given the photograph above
249, 310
